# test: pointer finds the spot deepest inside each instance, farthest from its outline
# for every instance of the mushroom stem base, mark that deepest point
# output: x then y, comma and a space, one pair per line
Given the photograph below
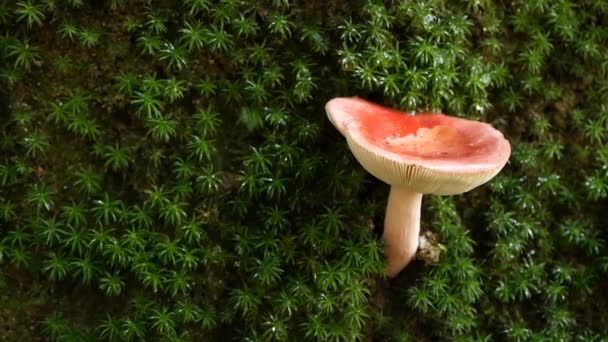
401, 228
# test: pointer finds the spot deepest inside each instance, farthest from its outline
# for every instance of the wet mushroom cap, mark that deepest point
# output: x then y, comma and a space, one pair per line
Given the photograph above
428, 153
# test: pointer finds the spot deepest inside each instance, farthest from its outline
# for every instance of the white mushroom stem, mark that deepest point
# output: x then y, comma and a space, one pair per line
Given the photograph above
401, 228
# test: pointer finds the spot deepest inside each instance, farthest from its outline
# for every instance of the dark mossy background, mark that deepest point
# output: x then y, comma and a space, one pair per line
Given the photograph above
167, 171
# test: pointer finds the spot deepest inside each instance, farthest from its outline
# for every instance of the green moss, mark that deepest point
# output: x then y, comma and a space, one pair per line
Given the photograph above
167, 172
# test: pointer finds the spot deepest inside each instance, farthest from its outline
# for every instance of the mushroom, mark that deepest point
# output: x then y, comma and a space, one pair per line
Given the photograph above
426, 153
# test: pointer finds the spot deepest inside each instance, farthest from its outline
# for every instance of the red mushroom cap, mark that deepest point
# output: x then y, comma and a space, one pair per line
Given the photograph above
425, 153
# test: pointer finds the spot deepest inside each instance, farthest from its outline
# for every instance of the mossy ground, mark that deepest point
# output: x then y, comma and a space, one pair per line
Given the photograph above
167, 171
